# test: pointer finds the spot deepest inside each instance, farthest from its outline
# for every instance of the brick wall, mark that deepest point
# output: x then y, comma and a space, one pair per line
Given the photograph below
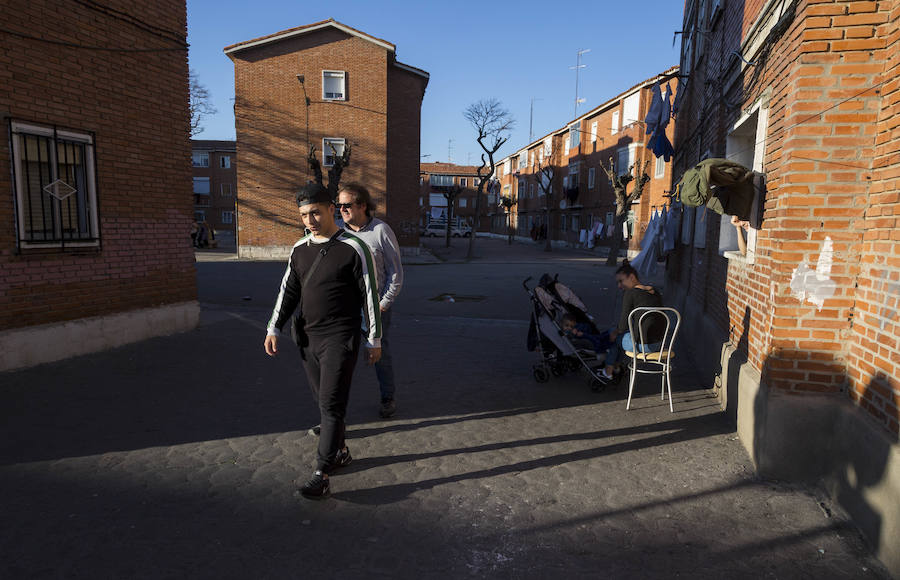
270, 116
135, 104
405, 93
831, 175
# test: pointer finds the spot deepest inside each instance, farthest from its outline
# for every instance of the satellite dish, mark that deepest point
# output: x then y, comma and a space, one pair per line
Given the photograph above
562, 204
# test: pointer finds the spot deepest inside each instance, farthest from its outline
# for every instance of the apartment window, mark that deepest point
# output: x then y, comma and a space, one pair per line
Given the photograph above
334, 85
440, 180
573, 175
462, 182
574, 136
225, 161
624, 159
421, 202
575, 224
548, 147
227, 217
566, 146
594, 132
331, 147
591, 178
200, 159
563, 219
462, 202
660, 167
614, 127
437, 200
610, 219
226, 189
523, 160
506, 166
56, 195
532, 190
631, 109
199, 215
201, 185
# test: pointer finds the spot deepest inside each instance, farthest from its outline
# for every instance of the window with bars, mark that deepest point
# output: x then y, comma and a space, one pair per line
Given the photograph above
56, 194
331, 147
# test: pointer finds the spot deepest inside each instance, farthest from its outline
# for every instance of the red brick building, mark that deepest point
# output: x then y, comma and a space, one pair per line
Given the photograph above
95, 248
581, 194
437, 178
801, 330
215, 187
329, 86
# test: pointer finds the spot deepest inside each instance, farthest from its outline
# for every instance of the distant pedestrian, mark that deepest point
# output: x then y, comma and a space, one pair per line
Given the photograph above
542, 234
356, 207
195, 229
329, 277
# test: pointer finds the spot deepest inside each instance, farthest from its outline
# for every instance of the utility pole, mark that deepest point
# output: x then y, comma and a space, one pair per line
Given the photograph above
577, 66
531, 119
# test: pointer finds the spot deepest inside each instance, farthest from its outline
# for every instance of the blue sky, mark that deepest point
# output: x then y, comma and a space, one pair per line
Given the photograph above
513, 51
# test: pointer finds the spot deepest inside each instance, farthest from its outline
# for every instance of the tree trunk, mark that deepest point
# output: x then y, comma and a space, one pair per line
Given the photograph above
617, 239
470, 253
449, 221
548, 247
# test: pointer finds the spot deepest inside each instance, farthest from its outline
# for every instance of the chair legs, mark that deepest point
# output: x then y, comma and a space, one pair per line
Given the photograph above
633, 366
666, 381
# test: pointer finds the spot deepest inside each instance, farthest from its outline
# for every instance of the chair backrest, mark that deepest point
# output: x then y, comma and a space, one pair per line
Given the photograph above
639, 321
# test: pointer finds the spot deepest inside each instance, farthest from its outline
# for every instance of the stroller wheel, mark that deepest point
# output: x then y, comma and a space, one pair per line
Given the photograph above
598, 386
558, 369
540, 375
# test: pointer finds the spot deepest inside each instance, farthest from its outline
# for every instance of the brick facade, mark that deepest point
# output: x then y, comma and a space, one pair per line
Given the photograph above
602, 133
133, 105
463, 176
217, 207
378, 118
807, 93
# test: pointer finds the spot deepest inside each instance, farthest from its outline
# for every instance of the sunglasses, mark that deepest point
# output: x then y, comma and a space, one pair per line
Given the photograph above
344, 205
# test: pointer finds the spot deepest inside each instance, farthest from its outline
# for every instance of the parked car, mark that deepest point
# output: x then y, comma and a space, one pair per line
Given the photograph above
435, 229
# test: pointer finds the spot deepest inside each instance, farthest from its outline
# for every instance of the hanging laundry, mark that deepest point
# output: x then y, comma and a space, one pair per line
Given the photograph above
657, 120
645, 261
437, 213
723, 186
672, 227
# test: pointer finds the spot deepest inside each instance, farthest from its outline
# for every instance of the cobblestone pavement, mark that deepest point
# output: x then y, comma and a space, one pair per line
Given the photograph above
177, 457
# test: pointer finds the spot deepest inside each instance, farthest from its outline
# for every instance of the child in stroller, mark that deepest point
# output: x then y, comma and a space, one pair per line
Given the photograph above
553, 303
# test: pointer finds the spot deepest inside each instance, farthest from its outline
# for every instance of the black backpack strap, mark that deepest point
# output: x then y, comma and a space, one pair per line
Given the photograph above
322, 251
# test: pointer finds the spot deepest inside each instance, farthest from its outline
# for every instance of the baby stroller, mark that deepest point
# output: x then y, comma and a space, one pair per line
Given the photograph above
551, 300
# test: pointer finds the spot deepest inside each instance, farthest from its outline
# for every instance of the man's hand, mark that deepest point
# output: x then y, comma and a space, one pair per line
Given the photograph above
373, 355
271, 345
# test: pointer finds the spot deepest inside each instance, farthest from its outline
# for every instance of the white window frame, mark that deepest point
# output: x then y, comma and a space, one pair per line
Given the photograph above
200, 158
660, 168
631, 109
591, 175
548, 147
326, 149
331, 95
225, 162
594, 132
462, 202
462, 182
574, 135
614, 125
90, 182
523, 160
222, 188
199, 215
227, 217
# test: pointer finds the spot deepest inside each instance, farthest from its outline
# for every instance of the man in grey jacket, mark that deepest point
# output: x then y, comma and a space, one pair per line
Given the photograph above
357, 207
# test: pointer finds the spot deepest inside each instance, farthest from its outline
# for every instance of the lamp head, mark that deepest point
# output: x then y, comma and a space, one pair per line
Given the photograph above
300, 78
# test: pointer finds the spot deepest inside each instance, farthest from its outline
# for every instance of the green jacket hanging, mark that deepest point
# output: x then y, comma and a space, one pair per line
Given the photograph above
723, 186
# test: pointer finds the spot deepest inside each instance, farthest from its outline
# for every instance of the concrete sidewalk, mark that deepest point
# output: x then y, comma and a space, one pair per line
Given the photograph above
177, 457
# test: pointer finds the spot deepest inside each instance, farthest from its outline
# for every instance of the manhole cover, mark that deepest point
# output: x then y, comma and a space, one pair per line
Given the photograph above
450, 297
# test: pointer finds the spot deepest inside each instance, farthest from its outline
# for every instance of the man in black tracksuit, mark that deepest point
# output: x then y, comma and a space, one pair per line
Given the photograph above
330, 276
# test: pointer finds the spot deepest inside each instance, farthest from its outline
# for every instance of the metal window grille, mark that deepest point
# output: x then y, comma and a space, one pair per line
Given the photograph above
55, 192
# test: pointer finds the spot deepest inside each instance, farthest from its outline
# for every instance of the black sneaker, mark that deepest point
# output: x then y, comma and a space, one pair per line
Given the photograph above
343, 458
317, 487
388, 408
315, 430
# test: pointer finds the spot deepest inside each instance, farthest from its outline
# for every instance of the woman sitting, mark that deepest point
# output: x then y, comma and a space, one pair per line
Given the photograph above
653, 327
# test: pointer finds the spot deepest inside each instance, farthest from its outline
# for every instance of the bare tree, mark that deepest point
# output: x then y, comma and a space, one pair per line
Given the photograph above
623, 202
506, 202
545, 182
334, 172
450, 195
492, 123
200, 103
